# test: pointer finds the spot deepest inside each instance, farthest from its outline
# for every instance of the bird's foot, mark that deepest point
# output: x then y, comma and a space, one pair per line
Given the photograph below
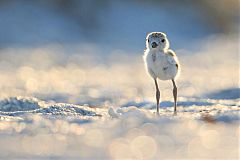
175, 113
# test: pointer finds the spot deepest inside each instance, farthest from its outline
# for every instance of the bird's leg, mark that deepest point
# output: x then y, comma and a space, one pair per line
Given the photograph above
157, 95
175, 96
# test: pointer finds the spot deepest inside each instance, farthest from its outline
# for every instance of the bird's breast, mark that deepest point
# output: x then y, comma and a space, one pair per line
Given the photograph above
159, 60
159, 64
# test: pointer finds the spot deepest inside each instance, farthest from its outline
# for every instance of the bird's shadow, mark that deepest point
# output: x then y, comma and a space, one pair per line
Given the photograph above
229, 93
165, 104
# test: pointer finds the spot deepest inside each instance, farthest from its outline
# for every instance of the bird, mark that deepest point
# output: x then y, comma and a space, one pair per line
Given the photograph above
161, 63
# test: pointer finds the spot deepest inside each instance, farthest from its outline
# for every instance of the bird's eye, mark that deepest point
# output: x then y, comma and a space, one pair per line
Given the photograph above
163, 40
148, 40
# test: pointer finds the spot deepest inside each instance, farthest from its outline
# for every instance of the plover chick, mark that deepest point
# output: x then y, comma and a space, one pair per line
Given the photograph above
161, 63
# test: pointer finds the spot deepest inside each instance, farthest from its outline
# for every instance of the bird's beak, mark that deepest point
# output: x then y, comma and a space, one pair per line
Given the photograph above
154, 45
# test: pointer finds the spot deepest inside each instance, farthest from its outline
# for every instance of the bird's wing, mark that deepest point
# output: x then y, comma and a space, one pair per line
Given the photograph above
172, 58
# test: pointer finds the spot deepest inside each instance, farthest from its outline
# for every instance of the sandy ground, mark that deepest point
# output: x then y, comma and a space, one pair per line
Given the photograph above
102, 106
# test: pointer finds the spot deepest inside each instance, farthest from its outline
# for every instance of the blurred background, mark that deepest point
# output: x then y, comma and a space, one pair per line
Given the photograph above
113, 24
90, 51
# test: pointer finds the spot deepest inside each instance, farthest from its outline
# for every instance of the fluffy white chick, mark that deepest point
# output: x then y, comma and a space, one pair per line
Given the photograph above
161, 63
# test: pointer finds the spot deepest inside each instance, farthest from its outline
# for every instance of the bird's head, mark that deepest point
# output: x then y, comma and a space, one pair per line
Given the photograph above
157, 41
